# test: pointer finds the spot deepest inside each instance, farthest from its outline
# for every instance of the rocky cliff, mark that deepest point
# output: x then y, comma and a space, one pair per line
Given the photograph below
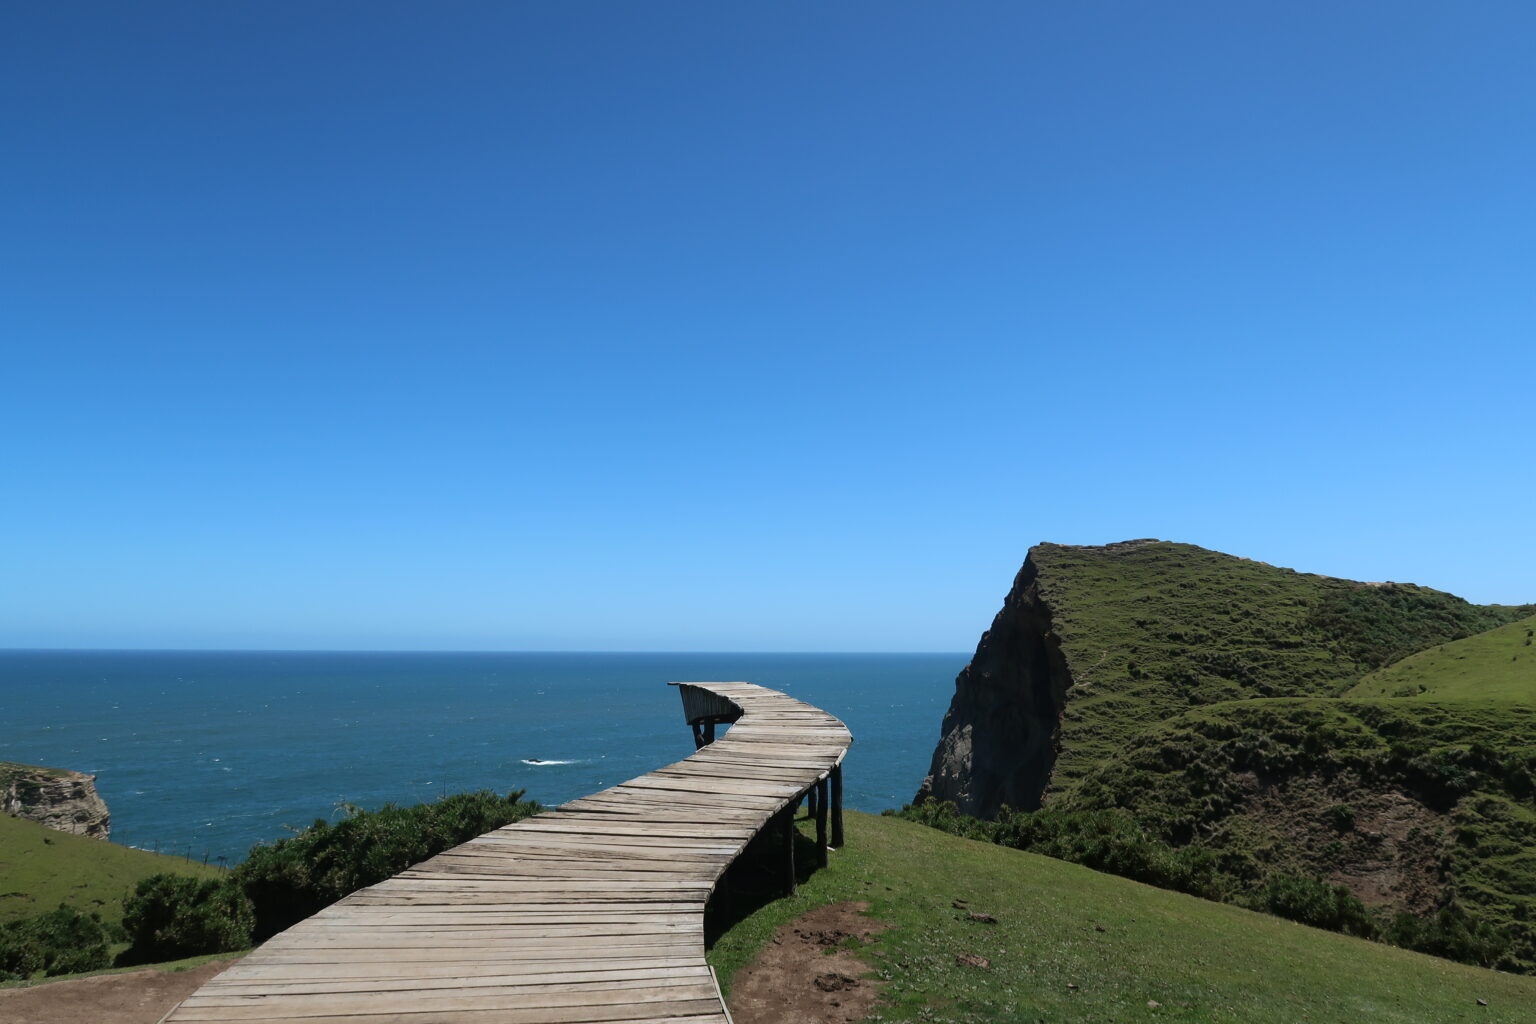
55, 797
1000, 736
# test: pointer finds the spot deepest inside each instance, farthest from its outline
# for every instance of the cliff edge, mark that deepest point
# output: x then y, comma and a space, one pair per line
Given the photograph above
55, 797
1001, 733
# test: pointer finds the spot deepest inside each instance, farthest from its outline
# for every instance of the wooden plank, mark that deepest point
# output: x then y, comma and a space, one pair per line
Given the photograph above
383, 1012
544, 972
496, 978
498, 997
613, 956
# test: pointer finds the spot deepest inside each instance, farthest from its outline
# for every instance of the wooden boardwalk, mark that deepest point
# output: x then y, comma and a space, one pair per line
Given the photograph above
591, 912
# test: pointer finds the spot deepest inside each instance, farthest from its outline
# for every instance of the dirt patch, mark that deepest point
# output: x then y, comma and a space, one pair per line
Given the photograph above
139, 997
808, 974
1399, 841
1373, 839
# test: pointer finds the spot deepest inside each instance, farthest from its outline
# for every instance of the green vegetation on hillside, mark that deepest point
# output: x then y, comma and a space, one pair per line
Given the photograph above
1239, 731
62, 941
41, 868
1152, 629
1073, 945
1423, 807
61, 896
168, 967
279, 885
1497, 665
168, 908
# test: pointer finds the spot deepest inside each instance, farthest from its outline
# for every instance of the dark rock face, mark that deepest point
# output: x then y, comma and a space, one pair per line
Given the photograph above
62, 800
1001, 733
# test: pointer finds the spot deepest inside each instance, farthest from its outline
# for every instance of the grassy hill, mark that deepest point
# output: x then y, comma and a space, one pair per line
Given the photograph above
1151, 629
41, 868
1274, 733
1497, 665
1073, 945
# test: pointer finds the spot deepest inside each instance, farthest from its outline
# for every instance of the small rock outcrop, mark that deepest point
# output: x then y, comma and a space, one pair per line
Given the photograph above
1000, 735
55, 797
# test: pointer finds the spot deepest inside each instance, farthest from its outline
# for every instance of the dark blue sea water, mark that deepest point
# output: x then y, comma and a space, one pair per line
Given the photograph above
206, 753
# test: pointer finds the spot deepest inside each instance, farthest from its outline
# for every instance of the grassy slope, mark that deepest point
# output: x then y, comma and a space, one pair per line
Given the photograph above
1152, 629
1202, 961
1466, 769
169, 967
41, 868
1497, 665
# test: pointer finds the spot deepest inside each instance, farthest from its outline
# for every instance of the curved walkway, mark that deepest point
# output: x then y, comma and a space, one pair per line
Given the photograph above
591, 912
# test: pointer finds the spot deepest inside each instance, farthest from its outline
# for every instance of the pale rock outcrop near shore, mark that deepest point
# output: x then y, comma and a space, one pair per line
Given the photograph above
56, 797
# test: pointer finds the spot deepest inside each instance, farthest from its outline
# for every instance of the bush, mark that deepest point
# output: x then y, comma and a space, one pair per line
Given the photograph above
1313, 901
170, 917
296, 877
1108, 841
62, 941
1452, 934
1342, 817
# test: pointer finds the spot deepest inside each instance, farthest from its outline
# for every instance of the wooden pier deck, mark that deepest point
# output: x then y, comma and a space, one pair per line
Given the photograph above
591, 912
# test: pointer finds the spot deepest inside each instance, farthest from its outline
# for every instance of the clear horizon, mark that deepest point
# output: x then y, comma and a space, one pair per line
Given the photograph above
748, 327
445, 650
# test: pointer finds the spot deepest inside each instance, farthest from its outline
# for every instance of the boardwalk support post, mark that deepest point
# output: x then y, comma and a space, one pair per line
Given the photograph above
820, 789
789, 851
836, 779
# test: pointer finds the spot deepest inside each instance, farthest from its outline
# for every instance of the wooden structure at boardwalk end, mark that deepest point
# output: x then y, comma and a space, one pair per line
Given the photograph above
592, 912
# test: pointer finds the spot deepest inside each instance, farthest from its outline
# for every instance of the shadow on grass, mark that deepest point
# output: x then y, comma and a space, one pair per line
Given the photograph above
756, 879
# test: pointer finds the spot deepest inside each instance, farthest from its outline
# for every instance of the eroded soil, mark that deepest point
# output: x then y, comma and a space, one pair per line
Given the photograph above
809, 974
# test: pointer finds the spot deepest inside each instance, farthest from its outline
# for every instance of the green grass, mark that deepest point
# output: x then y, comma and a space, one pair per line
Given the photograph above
170, 967
1497, 665
1201, 961
1152, 629
41, 868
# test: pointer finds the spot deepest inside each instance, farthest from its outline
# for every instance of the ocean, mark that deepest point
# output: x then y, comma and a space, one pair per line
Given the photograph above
205, 753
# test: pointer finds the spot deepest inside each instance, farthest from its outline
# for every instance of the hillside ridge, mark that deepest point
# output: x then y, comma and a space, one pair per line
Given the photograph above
1095, 644
1274, 728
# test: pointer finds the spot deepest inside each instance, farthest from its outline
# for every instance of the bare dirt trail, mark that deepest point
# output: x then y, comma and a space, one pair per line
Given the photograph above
139, 997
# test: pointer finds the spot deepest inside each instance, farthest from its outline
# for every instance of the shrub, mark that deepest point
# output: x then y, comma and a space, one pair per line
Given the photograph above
1452, 934
1104, 840
1313, 901
296, 877
62, 941
1342, 817
169, 917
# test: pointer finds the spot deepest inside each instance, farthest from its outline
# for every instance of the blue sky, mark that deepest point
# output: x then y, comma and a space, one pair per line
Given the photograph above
701, 326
